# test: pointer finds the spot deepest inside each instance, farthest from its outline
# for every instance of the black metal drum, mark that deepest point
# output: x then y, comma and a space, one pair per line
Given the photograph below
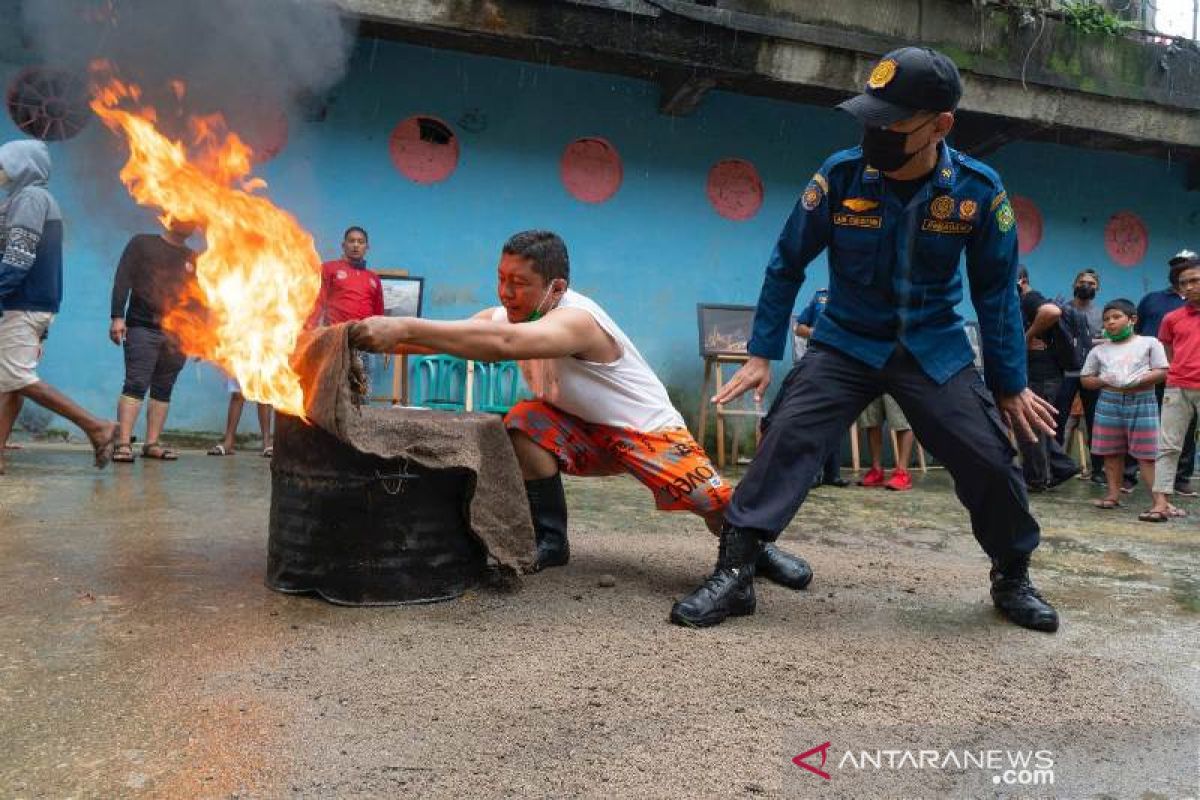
362, 530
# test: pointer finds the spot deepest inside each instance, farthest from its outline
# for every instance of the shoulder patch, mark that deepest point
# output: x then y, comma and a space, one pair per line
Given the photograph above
813, 194
1005, 218
997, 200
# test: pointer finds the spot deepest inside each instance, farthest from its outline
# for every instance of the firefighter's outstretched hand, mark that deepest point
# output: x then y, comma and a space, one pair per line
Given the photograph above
1027, 414
755, 374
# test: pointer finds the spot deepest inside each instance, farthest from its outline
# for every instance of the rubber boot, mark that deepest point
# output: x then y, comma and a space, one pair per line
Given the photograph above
548, 507
780, 566
1016, 598
729, 591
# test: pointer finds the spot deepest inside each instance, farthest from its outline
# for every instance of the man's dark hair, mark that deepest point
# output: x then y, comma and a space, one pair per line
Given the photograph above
1088, 271
1022, 273
545, 249
1126, 307
1177, 270
353, 229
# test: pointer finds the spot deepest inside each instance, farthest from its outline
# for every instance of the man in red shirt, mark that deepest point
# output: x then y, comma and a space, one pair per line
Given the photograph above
1180, 335
349, 291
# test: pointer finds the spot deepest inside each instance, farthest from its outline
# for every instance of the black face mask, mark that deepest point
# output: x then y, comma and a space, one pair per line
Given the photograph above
884, 149
1085, 292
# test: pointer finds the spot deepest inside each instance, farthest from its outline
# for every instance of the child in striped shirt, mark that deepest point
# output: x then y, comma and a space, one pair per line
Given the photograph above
1125, 369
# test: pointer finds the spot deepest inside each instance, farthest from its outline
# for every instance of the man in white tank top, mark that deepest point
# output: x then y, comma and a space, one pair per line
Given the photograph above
599, 408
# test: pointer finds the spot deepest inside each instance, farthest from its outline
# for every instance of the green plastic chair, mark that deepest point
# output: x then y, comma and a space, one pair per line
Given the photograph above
438, 381
498, 386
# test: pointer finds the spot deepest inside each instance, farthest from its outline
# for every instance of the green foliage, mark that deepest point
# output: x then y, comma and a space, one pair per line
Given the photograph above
1087, 16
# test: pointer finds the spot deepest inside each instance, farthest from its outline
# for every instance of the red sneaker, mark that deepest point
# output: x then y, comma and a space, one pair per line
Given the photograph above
900, 481
874, 477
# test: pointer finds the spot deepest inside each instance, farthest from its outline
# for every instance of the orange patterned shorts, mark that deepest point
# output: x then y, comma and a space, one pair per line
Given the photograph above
669, 462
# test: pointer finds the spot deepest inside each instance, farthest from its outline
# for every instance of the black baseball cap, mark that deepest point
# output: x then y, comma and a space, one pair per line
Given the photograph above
906, 82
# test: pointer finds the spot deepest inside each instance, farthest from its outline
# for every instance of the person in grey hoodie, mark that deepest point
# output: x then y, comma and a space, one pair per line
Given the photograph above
31, 239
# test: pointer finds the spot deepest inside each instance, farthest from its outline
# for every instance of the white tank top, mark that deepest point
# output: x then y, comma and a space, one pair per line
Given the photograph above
624, 393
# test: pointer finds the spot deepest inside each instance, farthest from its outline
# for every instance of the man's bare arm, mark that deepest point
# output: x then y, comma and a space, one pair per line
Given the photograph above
561, 333
1047, 315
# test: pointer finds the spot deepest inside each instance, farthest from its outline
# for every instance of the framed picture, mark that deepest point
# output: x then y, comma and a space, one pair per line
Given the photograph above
724, 329
973, 337
402, 293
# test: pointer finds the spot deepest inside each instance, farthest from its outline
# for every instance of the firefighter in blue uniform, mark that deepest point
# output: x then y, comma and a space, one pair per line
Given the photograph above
896, 214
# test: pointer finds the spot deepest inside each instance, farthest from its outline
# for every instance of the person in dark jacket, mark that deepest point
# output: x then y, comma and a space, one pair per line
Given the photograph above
896, 215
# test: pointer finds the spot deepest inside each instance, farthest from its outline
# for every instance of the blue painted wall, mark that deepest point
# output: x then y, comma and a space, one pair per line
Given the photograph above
649, 254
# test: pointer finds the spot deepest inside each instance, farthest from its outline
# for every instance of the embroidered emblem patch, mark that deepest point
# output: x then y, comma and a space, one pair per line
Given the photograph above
942, 207
1005, 218
967, 209
812, 196
341, 275
860, 204
952, 226
997, 200
882, 75
947, 173
855, 221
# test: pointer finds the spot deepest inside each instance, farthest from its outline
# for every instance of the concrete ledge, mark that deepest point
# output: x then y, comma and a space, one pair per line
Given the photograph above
1107, 92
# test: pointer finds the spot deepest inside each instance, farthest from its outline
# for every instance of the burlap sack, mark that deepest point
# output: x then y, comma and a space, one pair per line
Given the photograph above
498, 511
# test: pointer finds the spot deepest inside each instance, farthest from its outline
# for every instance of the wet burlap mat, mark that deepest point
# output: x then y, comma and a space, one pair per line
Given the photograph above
498, 511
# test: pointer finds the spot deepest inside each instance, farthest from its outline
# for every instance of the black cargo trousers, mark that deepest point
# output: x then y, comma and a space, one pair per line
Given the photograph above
958, 422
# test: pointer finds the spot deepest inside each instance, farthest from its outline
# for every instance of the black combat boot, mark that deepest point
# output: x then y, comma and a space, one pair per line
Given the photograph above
729, 591
548, 507
1016, 598
780, 566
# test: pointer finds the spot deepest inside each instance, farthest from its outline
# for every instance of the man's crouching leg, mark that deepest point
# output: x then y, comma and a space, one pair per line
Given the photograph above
729, 590
774, 563
547, 501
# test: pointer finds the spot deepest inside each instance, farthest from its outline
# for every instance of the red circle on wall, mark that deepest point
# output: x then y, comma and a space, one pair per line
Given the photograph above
1029, 224
591, 169
735, 189
424, 149
1126, 238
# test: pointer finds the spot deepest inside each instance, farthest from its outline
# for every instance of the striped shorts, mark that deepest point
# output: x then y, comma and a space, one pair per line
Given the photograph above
1126, 422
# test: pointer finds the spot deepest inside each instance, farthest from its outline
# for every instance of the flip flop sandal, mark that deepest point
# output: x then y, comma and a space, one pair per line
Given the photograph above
268, 452
157, 451
219, 450
123, 454
1106, 505
1154, 516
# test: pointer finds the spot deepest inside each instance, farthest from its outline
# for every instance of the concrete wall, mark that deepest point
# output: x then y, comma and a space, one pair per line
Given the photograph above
649, 254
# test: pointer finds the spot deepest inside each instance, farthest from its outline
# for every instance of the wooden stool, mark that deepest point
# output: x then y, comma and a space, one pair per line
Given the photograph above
713, 369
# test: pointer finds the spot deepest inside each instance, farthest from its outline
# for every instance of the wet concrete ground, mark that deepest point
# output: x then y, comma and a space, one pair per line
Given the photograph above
141, 655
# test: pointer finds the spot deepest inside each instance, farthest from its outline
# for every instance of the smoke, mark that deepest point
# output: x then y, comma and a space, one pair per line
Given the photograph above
256, 62
251, 60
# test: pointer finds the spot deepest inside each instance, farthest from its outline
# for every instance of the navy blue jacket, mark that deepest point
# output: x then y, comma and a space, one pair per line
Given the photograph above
1153, 308
894, 276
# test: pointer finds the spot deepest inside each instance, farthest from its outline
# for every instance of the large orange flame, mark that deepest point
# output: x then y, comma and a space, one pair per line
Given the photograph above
259, 277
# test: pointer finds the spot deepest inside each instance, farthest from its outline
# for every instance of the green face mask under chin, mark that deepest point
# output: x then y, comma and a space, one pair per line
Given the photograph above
1120, 335
537, 312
